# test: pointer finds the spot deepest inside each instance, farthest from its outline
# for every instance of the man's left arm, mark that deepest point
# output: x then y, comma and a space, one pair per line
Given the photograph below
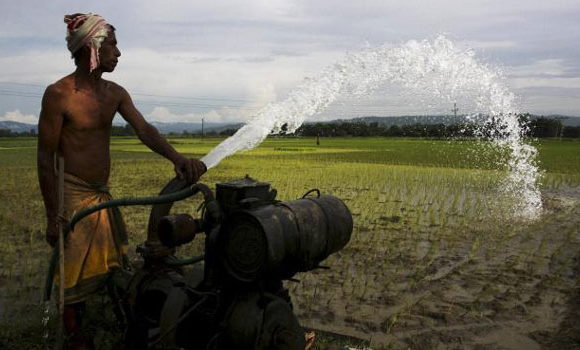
188, 169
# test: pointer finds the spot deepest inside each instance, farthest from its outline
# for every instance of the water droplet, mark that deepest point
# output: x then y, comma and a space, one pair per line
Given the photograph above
433, 72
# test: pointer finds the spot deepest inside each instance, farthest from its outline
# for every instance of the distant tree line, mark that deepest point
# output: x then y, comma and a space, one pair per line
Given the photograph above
537, 128
127, 130
210, 133
122, 130
360, 129
10, 133
547, 127
534, 127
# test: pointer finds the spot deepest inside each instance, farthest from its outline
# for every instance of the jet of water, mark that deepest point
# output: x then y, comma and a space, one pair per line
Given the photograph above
435, 68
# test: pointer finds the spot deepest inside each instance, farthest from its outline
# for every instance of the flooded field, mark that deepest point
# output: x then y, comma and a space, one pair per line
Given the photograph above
439, 257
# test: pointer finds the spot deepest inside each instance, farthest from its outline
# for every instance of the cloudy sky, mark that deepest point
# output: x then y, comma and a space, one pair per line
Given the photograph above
224, 60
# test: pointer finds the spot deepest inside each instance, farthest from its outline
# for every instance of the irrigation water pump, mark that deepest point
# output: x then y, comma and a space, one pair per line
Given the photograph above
235, 299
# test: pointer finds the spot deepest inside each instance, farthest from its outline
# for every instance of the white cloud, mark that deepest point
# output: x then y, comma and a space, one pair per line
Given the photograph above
16, 116
230, 58
172, 73
531, 82
491, 44
37, 66
224, 91
553, 67
539, 104
165, 115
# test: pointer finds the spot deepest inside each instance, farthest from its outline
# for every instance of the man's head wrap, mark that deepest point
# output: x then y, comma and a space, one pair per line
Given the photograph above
86, 30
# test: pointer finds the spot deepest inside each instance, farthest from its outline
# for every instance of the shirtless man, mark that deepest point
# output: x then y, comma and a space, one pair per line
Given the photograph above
75, 123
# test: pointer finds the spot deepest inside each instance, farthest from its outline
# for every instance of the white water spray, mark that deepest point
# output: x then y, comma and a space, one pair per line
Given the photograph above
436, 69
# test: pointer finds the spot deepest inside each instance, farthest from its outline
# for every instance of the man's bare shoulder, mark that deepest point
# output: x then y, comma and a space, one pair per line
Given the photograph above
115, 88
60, 88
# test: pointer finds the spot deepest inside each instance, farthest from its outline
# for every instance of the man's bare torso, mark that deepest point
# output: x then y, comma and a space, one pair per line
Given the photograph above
87, 114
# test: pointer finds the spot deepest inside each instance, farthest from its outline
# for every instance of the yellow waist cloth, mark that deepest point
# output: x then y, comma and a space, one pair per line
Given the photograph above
97, 242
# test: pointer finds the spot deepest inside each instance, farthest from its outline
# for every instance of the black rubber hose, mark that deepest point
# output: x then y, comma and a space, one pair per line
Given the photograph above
184, 262
172, 197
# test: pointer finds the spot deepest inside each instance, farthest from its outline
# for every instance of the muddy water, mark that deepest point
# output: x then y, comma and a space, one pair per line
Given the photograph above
459, 290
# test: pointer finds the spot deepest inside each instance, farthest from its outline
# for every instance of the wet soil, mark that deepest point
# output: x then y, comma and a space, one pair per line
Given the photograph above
519, 289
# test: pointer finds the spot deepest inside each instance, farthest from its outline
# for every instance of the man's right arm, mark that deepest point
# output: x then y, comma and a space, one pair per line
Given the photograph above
49, 129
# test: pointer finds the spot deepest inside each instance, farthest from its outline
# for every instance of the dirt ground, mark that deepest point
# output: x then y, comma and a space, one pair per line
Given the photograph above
520, 290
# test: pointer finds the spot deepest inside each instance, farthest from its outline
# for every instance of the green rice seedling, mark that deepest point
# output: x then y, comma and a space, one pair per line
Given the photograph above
417, 205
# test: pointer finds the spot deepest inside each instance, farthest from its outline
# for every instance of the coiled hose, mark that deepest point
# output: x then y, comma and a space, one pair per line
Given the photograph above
122, 202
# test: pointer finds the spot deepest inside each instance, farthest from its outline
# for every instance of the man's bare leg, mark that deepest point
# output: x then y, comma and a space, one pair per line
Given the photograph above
72, 318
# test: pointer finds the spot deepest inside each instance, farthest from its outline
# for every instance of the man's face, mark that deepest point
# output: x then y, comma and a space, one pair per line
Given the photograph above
109, 53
